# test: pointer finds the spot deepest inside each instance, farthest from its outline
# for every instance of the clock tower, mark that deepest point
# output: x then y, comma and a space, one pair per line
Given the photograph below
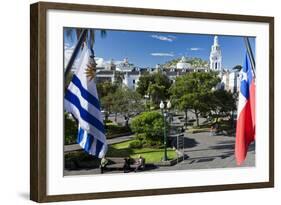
215, 56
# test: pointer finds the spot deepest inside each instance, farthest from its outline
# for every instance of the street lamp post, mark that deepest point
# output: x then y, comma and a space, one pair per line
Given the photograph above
164, 113
146, 97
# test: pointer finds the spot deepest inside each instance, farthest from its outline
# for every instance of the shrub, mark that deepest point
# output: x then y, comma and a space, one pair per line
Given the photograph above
107, 121
140, 136
70, 129
136, 144
145, 143
112, 129
150, 125
156, 144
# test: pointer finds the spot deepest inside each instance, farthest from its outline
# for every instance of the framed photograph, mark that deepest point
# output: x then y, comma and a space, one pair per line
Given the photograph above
135, 102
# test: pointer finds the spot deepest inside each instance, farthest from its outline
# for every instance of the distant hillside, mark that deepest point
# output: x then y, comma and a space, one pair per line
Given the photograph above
195, 62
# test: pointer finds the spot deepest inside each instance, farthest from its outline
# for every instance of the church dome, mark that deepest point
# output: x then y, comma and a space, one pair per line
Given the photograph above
182, 64
125, 66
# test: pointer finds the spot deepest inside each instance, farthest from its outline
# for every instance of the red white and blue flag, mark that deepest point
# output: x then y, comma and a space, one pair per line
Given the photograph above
246, 124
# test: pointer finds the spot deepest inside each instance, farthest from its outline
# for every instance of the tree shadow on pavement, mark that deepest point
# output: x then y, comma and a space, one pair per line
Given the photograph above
209, 158
231, 146
150, 166
187, 143
227, 150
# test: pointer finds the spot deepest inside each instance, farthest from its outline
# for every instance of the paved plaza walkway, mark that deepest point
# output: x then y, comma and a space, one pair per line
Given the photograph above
210, 152
202, 151
75, 147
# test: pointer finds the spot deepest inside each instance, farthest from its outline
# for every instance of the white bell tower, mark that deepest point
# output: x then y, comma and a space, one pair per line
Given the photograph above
215, 56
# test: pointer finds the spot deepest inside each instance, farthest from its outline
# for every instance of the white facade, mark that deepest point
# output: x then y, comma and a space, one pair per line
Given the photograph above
131, 79
182, 64
231, 81
216, 56
110, 65
105, 75
234, 81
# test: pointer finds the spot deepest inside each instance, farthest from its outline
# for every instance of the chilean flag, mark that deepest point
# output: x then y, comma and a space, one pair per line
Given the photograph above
246, 124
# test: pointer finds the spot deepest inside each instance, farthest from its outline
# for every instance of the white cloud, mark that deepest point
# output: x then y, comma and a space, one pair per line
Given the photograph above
164, 38
195, 49
103, 63
162, 54
171, 36
100, 62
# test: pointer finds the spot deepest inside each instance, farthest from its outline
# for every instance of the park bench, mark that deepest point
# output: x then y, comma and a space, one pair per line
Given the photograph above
119, 163
113, 163
135, 164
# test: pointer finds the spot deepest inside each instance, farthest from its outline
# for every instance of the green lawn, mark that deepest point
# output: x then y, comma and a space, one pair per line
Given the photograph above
151, 155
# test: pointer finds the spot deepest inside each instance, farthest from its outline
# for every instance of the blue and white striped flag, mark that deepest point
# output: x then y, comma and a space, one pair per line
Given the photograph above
81, 99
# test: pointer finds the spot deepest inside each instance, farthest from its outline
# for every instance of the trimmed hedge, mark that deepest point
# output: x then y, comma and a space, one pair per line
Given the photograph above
113, 130
136, 144
70, 130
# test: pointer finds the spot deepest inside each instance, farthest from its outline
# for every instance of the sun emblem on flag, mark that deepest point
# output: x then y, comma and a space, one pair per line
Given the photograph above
90, 72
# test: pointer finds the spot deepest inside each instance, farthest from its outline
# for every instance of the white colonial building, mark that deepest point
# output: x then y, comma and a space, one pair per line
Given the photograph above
131, 74
231, 80
110, 66
131, 79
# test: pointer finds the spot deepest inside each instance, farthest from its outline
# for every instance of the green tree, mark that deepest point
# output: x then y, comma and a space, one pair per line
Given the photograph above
192, 92
70, 129
221, 103
128, 103
67, 80
105, 88
75, 32
150, 124
118, 78
107, 104
157, 93
156, 85
143, 83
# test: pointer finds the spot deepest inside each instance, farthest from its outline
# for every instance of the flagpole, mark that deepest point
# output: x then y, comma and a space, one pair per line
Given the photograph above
75, 52
250, 54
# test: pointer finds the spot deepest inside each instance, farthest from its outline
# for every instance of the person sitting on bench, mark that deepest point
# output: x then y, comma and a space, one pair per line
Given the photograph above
103, 163
127, 166
139, 163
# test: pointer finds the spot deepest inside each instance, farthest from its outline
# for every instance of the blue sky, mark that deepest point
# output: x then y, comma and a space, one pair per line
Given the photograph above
146, 49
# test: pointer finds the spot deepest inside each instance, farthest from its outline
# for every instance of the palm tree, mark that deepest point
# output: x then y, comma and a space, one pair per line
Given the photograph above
82, 35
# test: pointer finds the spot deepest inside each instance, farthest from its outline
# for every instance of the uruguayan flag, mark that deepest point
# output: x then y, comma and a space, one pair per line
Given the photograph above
82, 101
